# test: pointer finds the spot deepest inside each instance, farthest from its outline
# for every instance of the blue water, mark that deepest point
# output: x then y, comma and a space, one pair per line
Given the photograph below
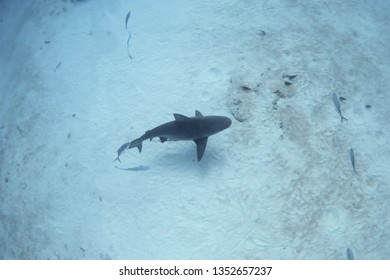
77, 81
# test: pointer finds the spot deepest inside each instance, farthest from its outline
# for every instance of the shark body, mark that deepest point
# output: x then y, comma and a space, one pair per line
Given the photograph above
197, 129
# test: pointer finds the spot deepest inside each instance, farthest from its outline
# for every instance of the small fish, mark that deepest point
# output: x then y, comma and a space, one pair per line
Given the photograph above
121, 150
20, 130
128, 43
246, 88
368, 106
350, 254
127, 19
137, 168
352, 157
342, 98
58, 65
337, 104
290, 77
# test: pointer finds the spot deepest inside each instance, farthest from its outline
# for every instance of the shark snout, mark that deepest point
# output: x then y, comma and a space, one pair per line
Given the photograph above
221, 123
226, 122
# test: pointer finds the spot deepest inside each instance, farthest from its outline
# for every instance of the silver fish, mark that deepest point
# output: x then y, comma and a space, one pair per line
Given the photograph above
121, 150
337, 104
352, 157
127, 19
350, 254
128, 46
58, 65
342, 99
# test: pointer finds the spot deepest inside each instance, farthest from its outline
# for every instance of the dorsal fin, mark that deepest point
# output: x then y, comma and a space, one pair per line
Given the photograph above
198, 114
179, 117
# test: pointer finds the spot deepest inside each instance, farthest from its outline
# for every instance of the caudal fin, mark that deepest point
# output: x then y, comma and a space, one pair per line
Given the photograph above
117, 159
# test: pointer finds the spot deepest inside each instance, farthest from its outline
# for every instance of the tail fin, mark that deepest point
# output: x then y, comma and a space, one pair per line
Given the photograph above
117, 159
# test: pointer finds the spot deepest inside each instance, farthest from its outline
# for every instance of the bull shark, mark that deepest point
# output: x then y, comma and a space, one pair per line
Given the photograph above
197, 129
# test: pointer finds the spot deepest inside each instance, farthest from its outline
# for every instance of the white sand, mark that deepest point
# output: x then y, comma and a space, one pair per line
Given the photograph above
278, 185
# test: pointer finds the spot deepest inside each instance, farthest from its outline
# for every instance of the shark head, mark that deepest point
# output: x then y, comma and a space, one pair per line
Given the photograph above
200, 126
215, 124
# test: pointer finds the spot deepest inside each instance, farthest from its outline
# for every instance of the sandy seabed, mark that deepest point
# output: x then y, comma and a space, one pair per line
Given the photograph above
278, 184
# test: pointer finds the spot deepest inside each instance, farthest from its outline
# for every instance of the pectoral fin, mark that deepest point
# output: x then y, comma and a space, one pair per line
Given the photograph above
163, 139
139, 146
200, 146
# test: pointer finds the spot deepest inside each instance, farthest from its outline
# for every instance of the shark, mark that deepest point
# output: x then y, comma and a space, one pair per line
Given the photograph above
198, 129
